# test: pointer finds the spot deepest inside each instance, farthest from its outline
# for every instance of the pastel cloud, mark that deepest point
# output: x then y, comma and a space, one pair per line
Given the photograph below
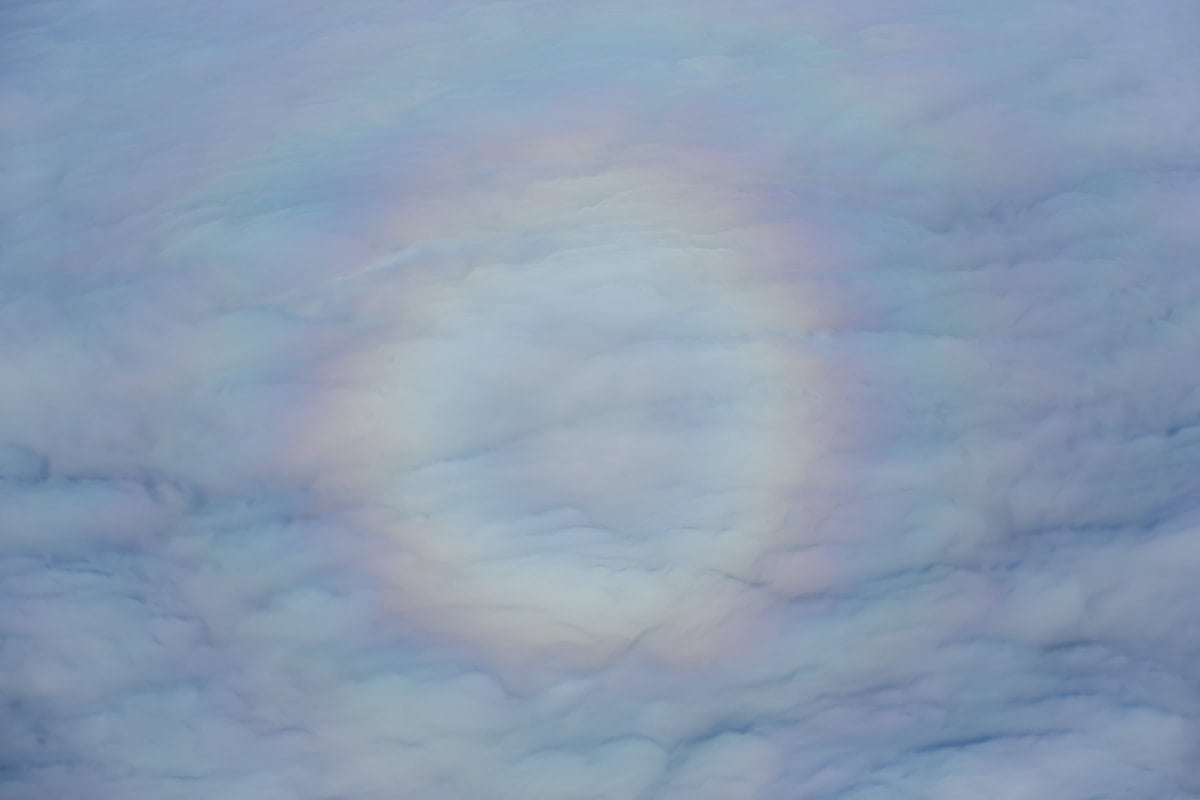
597, 400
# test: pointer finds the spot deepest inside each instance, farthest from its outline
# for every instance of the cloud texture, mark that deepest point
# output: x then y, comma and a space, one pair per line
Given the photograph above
563, 400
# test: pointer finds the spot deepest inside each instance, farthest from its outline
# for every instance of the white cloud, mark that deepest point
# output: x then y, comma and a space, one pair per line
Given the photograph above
598, 401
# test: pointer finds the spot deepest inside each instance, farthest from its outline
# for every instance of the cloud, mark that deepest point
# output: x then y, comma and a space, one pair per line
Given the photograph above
516, 400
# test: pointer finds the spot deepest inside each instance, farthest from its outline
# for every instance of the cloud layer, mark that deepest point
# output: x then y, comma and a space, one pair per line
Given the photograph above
599, 400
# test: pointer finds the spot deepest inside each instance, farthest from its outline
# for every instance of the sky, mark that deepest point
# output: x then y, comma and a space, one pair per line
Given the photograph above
562, 400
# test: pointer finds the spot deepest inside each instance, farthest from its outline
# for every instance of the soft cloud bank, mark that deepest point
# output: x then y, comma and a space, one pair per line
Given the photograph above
599, 400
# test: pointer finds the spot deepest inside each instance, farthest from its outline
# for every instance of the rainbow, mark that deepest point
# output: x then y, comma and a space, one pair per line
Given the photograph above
582, 419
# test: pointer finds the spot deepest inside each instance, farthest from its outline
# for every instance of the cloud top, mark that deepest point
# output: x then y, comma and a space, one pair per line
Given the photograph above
526, 400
